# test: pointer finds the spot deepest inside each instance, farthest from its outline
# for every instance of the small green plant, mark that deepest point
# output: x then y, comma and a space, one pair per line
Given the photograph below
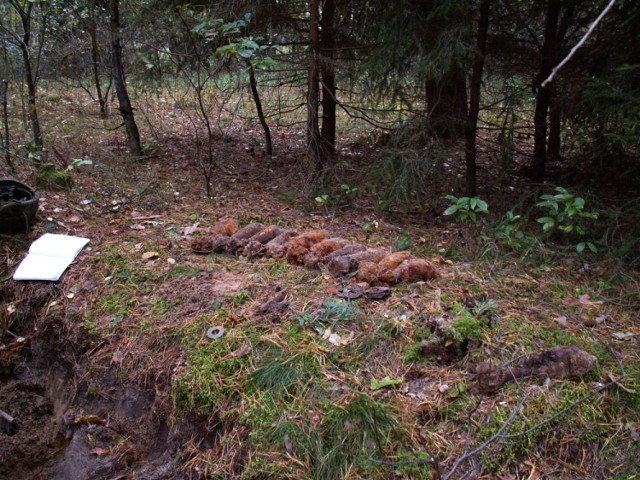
466, 208
50, 177
466, 328
343, 197
511, 233
150, 146
566, 215
405, 244
78, 162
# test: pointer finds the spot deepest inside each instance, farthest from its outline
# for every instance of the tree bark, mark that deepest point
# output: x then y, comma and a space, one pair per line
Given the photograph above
126, 109
95, 60
256, 99
30, 80
474, 102
447, 103
543, 97
6, 144
555, 127
314, 147
327, 72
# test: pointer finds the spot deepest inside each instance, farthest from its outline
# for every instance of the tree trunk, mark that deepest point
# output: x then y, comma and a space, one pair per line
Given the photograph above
447, 103
30, 80
314, 147
474, 103
543, 97
6, 144
327, 71
555, 127
256, 99
95, 60
126, 110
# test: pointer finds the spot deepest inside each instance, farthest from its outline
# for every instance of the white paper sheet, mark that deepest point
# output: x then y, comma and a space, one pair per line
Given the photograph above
49, 256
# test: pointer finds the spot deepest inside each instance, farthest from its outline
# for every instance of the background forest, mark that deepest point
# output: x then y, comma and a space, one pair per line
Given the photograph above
442, 128
423, 77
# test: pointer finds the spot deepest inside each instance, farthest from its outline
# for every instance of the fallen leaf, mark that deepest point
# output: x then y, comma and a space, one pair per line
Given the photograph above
314, 417
535, 474
335, 339
89, 420
189, 230
117, 357
242, 351
562, 320
287, 444
633, 430
443, 388
150, 255
11, 309
332, 290
601, 318
100, 451
385, 382
623, 335
585, 299
171, 261
74, 219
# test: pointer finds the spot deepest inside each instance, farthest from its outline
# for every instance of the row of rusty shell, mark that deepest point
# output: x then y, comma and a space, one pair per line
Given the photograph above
315, 249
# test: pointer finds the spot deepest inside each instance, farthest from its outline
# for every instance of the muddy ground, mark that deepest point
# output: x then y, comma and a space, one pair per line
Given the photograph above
62, 429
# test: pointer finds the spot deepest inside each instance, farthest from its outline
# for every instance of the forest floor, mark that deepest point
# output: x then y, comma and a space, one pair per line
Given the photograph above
113, 375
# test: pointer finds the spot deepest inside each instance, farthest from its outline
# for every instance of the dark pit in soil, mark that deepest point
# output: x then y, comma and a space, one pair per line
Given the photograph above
73, 420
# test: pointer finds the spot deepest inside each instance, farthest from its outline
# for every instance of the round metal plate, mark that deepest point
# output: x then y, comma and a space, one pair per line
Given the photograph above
215, 332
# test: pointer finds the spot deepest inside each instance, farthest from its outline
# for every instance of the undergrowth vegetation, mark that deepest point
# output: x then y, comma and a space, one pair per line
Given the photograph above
291, 404
335, 388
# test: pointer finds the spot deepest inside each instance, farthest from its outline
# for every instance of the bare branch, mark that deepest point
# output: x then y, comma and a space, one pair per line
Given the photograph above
579, 44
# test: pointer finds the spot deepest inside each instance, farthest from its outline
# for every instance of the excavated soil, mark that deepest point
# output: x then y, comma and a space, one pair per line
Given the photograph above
71, 422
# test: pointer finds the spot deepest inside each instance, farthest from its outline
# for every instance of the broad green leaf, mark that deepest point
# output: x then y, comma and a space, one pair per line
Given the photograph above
580, 247
384, 383
250, 44
226, 49
483, 206
451, 210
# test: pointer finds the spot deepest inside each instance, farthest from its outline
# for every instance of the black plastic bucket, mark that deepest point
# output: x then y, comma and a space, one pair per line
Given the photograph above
18, 206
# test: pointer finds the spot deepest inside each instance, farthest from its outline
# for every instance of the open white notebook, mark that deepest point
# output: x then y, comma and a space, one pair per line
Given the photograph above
49, 256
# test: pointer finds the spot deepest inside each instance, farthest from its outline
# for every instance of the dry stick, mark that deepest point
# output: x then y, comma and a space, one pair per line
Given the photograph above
563, 411
579, 44
486, 443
